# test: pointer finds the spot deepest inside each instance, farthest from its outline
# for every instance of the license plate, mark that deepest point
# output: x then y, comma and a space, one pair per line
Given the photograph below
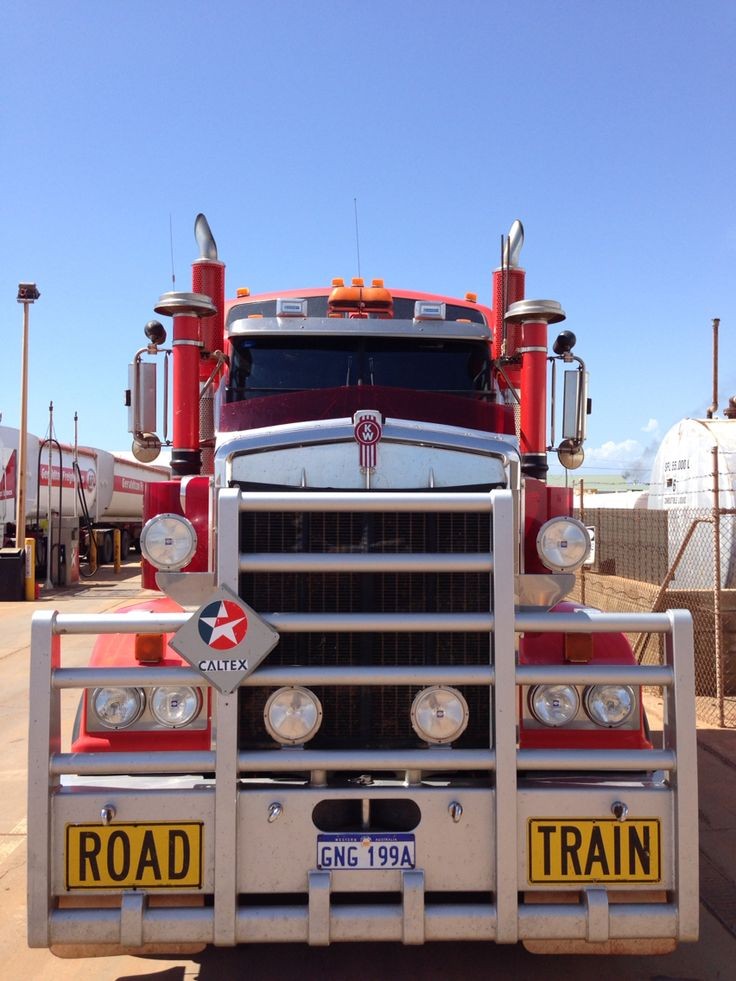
365, 851
127, 856
594, 851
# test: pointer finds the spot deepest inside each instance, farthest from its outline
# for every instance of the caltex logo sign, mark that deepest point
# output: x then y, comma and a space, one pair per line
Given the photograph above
225, 640
222, 625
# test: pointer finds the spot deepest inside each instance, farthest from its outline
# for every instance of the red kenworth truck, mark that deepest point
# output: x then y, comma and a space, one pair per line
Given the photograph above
364, 707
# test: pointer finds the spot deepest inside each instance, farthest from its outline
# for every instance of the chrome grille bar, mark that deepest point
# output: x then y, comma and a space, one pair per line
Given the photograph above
366, 562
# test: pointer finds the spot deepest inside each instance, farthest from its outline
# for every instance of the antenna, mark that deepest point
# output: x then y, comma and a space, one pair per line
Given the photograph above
357, 236
171, 247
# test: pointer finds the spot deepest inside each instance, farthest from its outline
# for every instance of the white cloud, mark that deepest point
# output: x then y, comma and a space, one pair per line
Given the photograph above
621, 453
630, 458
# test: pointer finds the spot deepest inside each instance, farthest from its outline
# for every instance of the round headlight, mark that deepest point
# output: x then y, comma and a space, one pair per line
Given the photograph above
175, 705
117, 708
168, 542
292, 715
439, 714
563, 544
554, 705
610, 705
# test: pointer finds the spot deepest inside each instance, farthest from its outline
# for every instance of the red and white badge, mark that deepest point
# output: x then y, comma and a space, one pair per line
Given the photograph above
367, 430
222, 625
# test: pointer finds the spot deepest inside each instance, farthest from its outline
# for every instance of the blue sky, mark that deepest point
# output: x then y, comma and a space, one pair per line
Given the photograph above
608, 128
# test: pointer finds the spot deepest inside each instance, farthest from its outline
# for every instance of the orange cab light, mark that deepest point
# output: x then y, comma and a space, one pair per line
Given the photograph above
357, 281
149, 648
358, 299
255, 316
338, 281
345, 298
471, 297
578, 648
378, 283
242, 291
378, 299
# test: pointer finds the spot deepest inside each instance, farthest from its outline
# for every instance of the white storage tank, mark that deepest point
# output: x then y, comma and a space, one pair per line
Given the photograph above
683, 484
9, 438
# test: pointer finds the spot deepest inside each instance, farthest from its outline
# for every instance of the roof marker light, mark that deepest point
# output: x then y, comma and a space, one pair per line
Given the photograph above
243, 291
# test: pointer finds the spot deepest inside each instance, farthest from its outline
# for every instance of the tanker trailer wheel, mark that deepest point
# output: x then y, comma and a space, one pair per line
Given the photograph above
40, 558
105, 549
124, 544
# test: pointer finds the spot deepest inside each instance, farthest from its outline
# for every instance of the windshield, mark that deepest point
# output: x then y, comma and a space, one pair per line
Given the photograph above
269, 365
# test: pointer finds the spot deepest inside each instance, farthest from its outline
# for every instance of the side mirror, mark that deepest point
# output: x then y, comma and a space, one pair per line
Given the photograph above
574, 404
141, 402
142, 397
574, 417
146, 447
570, 454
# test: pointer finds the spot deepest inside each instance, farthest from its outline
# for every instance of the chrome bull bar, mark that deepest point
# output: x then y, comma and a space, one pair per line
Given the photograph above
503, 920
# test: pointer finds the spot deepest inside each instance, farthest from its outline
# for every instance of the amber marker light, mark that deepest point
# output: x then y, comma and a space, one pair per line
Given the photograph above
149, 648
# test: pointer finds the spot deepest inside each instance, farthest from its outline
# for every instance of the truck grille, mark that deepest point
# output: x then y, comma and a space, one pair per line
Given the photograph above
367, 717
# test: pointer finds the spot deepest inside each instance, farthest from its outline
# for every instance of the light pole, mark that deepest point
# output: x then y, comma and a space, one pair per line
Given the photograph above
27, 294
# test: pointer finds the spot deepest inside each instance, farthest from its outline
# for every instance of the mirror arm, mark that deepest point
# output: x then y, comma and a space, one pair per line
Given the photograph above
581, 406
552, 403
222, 362
502, 372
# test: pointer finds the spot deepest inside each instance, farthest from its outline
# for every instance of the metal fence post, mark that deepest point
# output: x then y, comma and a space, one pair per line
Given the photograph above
717, 619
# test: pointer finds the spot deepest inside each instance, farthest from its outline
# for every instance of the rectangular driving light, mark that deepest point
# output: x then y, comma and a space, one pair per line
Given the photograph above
291, 308
429, 310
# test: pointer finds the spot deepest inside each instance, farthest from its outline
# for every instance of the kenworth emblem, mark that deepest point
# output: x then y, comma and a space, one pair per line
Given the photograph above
367, 429
225, 640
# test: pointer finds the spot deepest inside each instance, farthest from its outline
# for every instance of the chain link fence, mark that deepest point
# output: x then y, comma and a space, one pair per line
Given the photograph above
678, 559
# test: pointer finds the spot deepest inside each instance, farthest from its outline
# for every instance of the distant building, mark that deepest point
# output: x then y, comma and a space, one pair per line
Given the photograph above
602, 490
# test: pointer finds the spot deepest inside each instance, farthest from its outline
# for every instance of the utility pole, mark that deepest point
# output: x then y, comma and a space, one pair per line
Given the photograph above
27, 294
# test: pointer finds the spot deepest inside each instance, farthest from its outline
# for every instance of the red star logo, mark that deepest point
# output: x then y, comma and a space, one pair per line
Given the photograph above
222, 625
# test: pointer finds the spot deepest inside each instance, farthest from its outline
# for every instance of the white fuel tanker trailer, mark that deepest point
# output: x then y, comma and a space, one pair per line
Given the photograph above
85, 492
693, 472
